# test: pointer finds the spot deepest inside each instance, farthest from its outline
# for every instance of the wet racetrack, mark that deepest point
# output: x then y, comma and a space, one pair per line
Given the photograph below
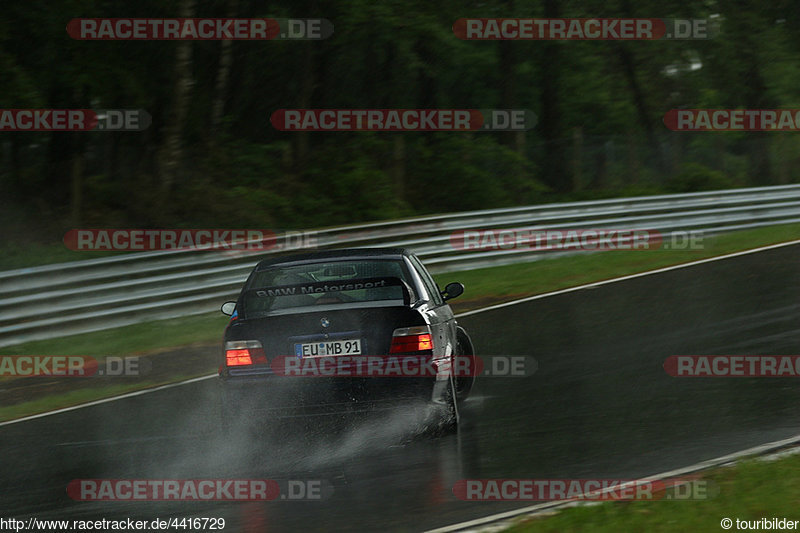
599, 406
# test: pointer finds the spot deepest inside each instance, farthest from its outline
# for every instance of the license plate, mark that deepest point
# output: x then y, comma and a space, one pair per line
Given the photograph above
319, 349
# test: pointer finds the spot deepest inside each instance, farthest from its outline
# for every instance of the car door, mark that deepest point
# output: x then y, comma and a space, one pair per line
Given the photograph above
438, 314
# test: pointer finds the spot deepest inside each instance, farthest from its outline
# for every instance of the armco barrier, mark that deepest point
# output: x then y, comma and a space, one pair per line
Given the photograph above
68, 298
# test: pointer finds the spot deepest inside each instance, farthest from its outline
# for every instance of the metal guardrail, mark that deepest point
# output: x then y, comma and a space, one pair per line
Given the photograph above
68, 298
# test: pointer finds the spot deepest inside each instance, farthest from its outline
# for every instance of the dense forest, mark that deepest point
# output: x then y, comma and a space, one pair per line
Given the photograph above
211, 158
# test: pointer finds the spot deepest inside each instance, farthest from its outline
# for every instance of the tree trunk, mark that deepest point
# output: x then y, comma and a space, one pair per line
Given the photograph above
508, 98
642, 111
632, 177
398, 171
577, 157
223, 75
76, 198
171, 152
307, 86
553, 164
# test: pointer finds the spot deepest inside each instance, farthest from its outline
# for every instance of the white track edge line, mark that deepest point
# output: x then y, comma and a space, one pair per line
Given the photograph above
702, 465
107, 400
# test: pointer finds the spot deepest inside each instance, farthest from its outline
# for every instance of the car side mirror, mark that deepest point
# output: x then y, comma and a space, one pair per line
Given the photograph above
228, 308
453, 290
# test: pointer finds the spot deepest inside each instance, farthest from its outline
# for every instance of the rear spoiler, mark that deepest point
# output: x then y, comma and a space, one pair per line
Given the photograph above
321, 287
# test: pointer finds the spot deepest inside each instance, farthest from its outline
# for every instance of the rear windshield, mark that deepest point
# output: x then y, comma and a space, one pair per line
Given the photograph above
318, 285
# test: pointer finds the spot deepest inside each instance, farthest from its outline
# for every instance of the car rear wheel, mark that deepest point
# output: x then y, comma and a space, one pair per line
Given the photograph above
465, 379
447, 412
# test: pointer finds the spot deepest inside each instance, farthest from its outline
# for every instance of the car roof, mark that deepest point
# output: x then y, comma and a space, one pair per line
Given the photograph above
343, 254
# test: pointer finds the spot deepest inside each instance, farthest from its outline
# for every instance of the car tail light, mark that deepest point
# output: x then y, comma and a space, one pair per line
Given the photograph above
414, 339
242, 353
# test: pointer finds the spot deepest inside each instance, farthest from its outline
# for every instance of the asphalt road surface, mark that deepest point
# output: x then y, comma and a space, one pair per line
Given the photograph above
599, 406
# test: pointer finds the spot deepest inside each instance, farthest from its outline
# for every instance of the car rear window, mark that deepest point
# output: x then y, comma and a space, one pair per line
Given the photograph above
333, 283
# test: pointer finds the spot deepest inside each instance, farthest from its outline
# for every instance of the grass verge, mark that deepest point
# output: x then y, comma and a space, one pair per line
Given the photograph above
128, 340
750, 490
14, 255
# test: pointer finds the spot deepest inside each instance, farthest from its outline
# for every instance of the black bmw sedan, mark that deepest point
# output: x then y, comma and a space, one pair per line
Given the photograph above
344, 329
